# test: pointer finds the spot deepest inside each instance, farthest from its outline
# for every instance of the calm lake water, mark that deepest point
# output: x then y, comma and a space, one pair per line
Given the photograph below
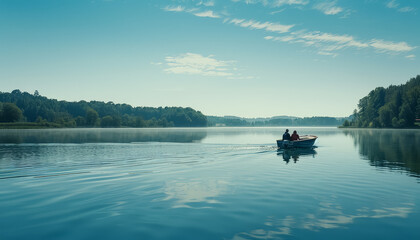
208, 183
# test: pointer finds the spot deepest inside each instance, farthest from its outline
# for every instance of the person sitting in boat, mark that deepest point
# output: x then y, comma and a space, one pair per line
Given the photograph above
286, 135
295, 136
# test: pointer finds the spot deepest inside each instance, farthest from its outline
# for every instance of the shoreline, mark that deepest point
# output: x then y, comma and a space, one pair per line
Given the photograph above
32, 125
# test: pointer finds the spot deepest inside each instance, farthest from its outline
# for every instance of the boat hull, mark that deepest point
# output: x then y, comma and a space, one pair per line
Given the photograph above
305, 142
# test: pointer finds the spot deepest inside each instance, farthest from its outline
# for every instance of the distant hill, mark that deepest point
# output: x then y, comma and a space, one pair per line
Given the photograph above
391, 107
232, 121
20, 106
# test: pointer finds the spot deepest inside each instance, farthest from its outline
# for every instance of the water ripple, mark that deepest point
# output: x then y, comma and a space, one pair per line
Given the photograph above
208, 190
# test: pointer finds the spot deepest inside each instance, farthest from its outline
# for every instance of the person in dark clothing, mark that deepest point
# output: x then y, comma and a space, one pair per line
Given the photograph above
295, 136
286, 135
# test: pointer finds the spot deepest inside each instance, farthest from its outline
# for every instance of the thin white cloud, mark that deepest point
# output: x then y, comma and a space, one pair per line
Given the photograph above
174, 9
281, 39
411, 56
206, 3
196, 64
327, 53
390, 47
226, 20
328, 44
274, 3
286, 39
195, 11
327, 37
209, 14
358, 44
406, 9
328, 8
278, 11
268, 26
278, 3
333, 10
392, 4
237, 21
341, 41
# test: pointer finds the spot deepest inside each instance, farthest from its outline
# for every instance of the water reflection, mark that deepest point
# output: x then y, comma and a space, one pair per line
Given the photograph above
390, 149
295, 153
101, 135
259, 135
127, 135
328, 216
195, 193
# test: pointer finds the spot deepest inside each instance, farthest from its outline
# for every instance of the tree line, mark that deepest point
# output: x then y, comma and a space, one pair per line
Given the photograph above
20, 106
392, 107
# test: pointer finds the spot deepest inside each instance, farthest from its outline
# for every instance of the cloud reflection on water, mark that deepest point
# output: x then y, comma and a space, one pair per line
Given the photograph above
195, 193
328, 217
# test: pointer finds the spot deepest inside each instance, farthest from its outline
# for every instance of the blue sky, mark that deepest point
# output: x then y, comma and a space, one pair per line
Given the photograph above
249, 58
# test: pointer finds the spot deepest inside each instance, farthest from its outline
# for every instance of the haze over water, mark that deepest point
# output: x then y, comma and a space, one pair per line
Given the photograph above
209, 183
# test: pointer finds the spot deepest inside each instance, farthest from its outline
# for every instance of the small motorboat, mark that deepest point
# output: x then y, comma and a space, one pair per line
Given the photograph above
306, 141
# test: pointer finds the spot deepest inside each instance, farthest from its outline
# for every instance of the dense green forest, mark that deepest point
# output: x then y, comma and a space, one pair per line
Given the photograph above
36, 110
231, 121
395, 106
